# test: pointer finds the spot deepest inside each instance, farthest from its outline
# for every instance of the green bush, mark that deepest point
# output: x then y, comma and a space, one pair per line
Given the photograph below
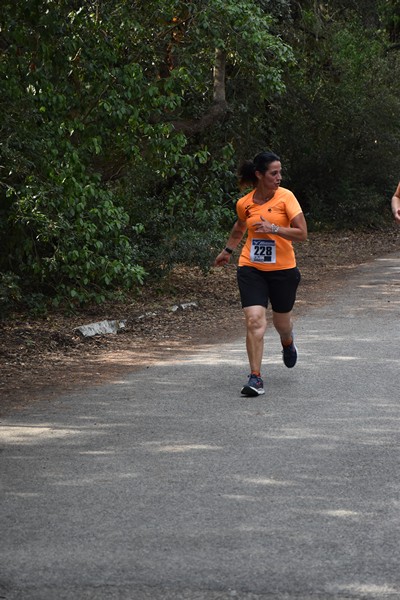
10, 293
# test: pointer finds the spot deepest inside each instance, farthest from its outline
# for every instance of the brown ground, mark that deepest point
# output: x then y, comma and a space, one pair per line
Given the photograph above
41, 358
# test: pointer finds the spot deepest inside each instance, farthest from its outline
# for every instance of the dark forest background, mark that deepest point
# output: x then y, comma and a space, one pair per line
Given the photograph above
123, 124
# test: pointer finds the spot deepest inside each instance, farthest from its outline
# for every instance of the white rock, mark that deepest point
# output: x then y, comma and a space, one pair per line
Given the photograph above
100, 328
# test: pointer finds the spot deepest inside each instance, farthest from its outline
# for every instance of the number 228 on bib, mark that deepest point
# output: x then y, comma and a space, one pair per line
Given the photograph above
263, 251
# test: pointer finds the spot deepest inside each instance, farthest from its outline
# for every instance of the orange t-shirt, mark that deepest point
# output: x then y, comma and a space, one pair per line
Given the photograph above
265, 251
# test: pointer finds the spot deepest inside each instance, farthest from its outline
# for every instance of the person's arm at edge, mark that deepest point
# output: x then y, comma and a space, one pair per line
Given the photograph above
396, 205
235, 237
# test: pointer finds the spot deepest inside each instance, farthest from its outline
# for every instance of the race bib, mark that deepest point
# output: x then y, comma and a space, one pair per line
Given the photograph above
263, 251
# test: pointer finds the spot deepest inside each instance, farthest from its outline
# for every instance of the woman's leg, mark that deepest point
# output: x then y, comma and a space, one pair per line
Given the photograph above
284, 326
256, 325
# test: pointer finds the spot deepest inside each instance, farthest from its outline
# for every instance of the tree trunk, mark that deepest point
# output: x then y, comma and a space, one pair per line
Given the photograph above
219, 106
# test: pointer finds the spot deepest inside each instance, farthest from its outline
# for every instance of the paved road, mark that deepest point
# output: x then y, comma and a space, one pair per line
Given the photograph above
166, 485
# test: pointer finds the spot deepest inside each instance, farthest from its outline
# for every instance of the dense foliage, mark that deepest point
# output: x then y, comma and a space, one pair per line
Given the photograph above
343, 145
123, 124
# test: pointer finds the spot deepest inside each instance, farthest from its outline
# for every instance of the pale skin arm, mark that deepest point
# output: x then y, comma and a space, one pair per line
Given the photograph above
235, 237
297, 232
396, 205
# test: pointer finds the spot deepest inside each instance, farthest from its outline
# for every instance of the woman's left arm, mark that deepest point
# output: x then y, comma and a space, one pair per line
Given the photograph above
297, 232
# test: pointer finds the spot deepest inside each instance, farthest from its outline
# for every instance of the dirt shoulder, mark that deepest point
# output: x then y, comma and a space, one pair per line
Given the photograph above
44, 358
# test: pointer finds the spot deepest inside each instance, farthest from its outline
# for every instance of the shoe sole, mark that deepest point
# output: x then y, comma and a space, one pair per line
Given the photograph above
250, 391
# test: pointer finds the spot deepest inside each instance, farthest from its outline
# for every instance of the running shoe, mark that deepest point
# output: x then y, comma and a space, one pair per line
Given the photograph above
289, 354
254, 387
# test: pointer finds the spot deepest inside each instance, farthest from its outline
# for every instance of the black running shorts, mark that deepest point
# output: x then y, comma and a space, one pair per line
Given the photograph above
279, 287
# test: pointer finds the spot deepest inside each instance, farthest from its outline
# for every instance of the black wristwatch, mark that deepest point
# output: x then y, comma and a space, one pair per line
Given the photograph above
228, 250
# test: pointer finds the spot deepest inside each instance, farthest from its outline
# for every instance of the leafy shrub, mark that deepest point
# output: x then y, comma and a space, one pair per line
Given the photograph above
10, 293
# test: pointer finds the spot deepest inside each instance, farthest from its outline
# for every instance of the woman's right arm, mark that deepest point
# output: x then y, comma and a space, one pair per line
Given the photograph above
235, 237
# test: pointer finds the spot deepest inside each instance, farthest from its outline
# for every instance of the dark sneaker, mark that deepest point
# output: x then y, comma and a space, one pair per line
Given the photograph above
254, 387
290, 354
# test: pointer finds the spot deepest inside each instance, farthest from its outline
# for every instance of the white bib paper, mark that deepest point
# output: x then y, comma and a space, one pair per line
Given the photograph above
263, 251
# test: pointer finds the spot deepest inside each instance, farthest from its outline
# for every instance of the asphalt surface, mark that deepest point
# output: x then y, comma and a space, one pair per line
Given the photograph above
166, 484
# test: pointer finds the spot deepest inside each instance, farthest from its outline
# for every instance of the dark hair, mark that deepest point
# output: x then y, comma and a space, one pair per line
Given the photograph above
247, 170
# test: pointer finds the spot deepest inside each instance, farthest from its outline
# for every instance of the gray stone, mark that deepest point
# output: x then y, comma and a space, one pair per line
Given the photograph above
100, 328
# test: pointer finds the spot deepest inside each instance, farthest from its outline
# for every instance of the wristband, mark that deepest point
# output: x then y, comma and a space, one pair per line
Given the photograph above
274, 228
228, 250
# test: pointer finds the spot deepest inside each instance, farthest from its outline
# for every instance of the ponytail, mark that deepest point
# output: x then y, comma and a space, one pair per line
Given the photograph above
247, 171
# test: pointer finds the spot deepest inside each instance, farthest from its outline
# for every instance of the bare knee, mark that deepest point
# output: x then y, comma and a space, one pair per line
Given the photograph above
256, 321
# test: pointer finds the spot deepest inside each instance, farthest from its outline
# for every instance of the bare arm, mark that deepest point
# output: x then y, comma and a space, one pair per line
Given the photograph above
396, 205
297, 232
235, 237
